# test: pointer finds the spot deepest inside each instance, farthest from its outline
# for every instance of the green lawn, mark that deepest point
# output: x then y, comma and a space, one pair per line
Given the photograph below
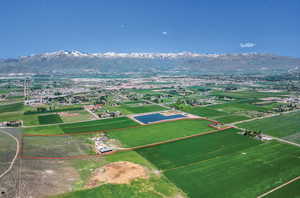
50, 119
247, 173
279, 126
160, 132
201, 148
291, 191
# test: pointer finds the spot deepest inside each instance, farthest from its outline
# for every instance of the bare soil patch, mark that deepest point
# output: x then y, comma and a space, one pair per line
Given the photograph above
66, 114
169, 113
117, 173
43, 178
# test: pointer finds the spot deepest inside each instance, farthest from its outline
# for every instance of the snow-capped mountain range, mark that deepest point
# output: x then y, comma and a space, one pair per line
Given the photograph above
77, 62
76, 53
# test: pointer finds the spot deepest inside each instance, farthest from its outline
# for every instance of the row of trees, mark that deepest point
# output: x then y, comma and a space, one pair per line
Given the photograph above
252, 133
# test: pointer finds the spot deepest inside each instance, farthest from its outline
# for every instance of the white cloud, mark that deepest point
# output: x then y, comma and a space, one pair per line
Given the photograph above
123, 26
164, 33
247, 45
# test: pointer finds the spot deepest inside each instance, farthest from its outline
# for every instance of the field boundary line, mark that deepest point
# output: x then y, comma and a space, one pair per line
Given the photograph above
176, 139
91, 113
16, 155
117, 129
129, 149
278, 187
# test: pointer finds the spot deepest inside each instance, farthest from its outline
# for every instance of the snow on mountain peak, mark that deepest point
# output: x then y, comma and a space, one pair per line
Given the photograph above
75, 53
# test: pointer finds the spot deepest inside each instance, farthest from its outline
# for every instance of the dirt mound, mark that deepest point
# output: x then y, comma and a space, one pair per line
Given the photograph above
117, 173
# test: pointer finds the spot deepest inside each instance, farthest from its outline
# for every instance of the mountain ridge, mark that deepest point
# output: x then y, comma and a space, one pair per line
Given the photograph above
77, 62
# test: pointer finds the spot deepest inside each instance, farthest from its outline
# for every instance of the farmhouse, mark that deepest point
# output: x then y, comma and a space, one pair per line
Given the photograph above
15, 123
101, 146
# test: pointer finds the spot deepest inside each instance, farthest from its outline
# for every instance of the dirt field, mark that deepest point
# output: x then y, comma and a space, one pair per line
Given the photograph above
42, 178
65, 114
117, 173
10, 182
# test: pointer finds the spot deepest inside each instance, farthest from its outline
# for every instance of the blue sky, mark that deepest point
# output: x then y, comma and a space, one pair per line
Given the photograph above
211, 26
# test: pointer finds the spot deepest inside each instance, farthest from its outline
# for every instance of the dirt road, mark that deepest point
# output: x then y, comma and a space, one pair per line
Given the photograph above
16, 155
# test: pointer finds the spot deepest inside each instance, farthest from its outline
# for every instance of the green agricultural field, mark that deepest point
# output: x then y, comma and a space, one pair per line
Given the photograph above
79, 127
218, 115
133, 102
121, 108
145, 91
231, 118
144, 108
252, 171
60, 109
28, 120
9, 116
248, 94
43, 130
160, 132
4, 91
135, 109
234, 107
50, 119
11, 107
280, 126
291, 191
201, 148
143, 188
98, 125
206, 112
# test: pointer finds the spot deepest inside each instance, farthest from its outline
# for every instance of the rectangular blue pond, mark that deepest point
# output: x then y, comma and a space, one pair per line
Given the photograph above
155, 117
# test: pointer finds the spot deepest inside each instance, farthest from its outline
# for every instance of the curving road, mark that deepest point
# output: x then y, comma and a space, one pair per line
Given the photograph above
16, 155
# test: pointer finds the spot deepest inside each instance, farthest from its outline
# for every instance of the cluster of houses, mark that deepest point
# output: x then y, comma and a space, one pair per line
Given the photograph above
104, 114
15, 123
256, 135
101, 144
108, 114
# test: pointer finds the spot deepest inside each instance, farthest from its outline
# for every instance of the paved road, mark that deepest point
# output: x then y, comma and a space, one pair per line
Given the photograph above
266, 116
92, 113
16, 155
282, 140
